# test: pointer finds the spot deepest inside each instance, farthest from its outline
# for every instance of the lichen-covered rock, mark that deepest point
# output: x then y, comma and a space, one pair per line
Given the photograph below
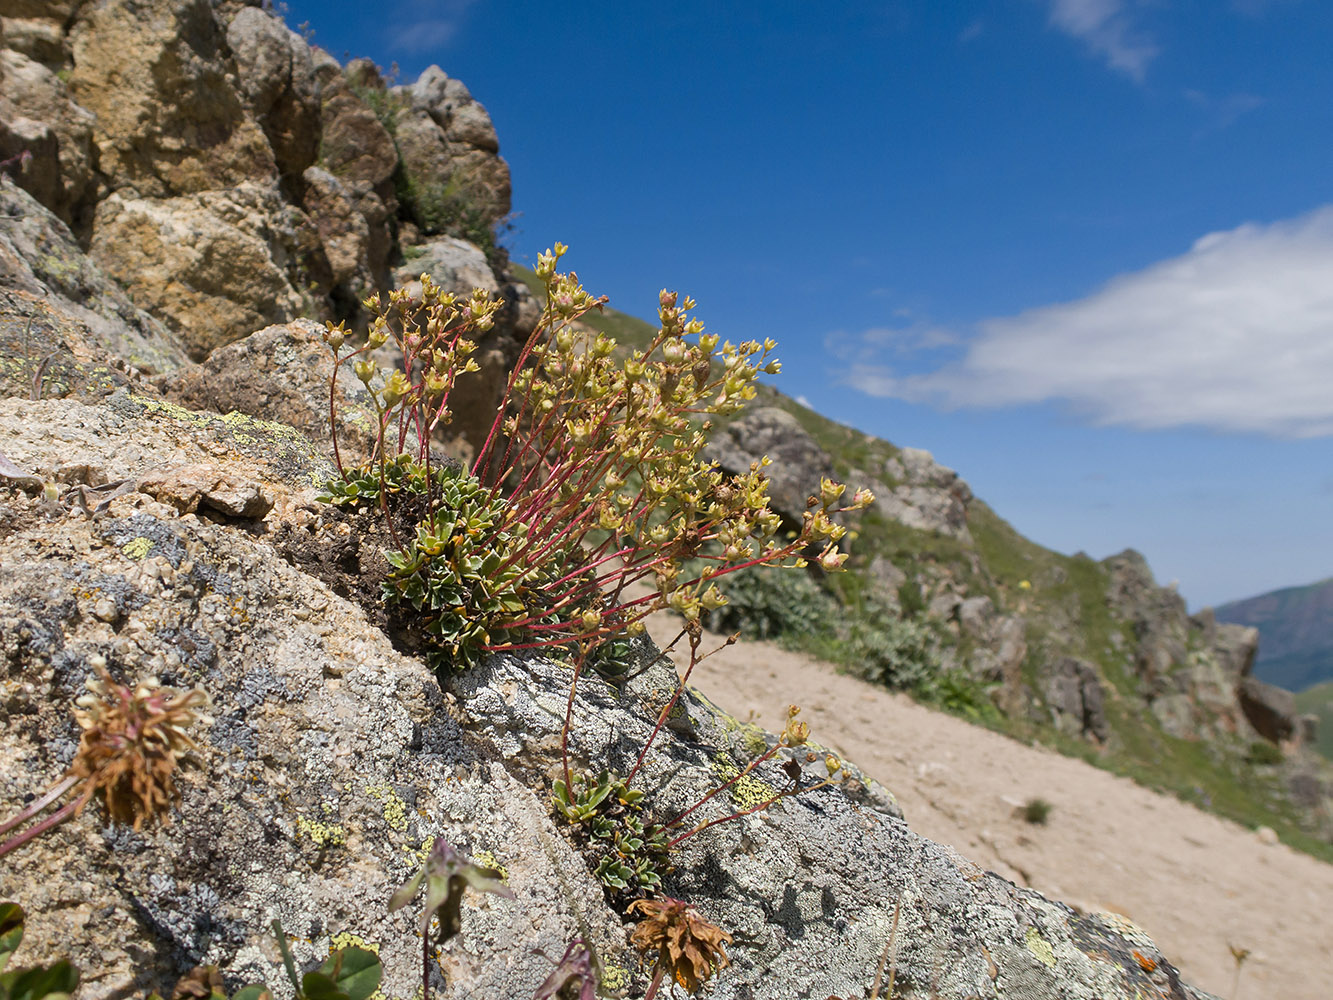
65, 328
281, 373
209, 264
330, 760
168, 119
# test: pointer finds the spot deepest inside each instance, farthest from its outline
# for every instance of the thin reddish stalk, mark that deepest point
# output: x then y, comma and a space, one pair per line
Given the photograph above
36, 806
56, 818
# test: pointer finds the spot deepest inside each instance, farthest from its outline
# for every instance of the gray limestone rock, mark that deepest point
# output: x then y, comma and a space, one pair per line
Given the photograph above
330, 759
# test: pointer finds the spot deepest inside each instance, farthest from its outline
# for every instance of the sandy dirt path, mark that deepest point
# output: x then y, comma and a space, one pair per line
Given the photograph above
1195, 882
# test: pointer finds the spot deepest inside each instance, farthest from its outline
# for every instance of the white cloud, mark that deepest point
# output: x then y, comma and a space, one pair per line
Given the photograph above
421, 25
1224, 111
1234, 335
1108, 30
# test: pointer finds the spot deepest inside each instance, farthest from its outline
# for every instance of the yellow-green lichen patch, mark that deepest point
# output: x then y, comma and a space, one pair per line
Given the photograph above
137, 548
321, 834
286, 448
752, 737
748, 791
394, 809
488, 860
615, 977
416, 856
1041, 948
346, 939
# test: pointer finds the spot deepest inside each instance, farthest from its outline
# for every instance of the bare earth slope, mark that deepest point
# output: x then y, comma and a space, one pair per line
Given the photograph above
1195, 882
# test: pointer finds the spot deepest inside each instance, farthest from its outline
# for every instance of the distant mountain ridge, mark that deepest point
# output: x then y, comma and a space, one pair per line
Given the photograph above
1295, 633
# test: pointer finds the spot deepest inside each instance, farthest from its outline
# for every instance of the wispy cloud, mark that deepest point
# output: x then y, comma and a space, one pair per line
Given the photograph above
1106, 28
421, 25
972, 31
1234, 335
1224, 111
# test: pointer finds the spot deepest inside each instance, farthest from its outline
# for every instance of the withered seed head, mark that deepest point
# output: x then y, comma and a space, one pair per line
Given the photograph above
132, 744
687, 945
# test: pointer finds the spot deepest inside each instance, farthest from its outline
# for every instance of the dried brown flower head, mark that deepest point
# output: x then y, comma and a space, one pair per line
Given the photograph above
131, 746
688, 947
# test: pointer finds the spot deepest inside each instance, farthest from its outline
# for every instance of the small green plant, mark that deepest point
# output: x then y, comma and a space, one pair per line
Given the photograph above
957, 692
445, 874
347, 974
132, 744
448, 208
1264, 754
629, 853
1037, 811
50, 982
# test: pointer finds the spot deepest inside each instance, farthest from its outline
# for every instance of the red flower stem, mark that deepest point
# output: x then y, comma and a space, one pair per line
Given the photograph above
36, 806
666, 710
726, 819
767, 755
56, 818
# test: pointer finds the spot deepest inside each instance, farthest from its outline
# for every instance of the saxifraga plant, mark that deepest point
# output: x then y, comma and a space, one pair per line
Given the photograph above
589, 480
132, 744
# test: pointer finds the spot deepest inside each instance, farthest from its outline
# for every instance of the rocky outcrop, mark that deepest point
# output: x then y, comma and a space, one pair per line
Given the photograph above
797, 460
330, 759
210, 264
226, 173
919, 492
169, 119
1073, 692
1191, 671
461, 146
276, 76
65, 328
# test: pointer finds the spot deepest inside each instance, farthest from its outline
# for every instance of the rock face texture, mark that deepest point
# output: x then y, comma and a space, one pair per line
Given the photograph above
330, 759
225, 173
65, 328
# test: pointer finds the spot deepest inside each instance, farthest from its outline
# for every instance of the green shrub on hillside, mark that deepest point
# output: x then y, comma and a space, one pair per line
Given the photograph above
899, 653
764, 604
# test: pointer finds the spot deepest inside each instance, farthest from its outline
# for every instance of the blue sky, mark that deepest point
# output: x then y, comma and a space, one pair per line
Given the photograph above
1081, 250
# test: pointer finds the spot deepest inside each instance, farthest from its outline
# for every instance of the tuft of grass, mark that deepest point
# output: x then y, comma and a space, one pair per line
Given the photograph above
1037, 811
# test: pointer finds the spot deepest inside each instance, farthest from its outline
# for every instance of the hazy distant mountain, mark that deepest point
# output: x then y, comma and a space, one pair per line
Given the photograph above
1295, 633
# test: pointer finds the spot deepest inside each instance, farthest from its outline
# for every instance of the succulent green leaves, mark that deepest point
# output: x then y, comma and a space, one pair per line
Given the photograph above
39, 982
